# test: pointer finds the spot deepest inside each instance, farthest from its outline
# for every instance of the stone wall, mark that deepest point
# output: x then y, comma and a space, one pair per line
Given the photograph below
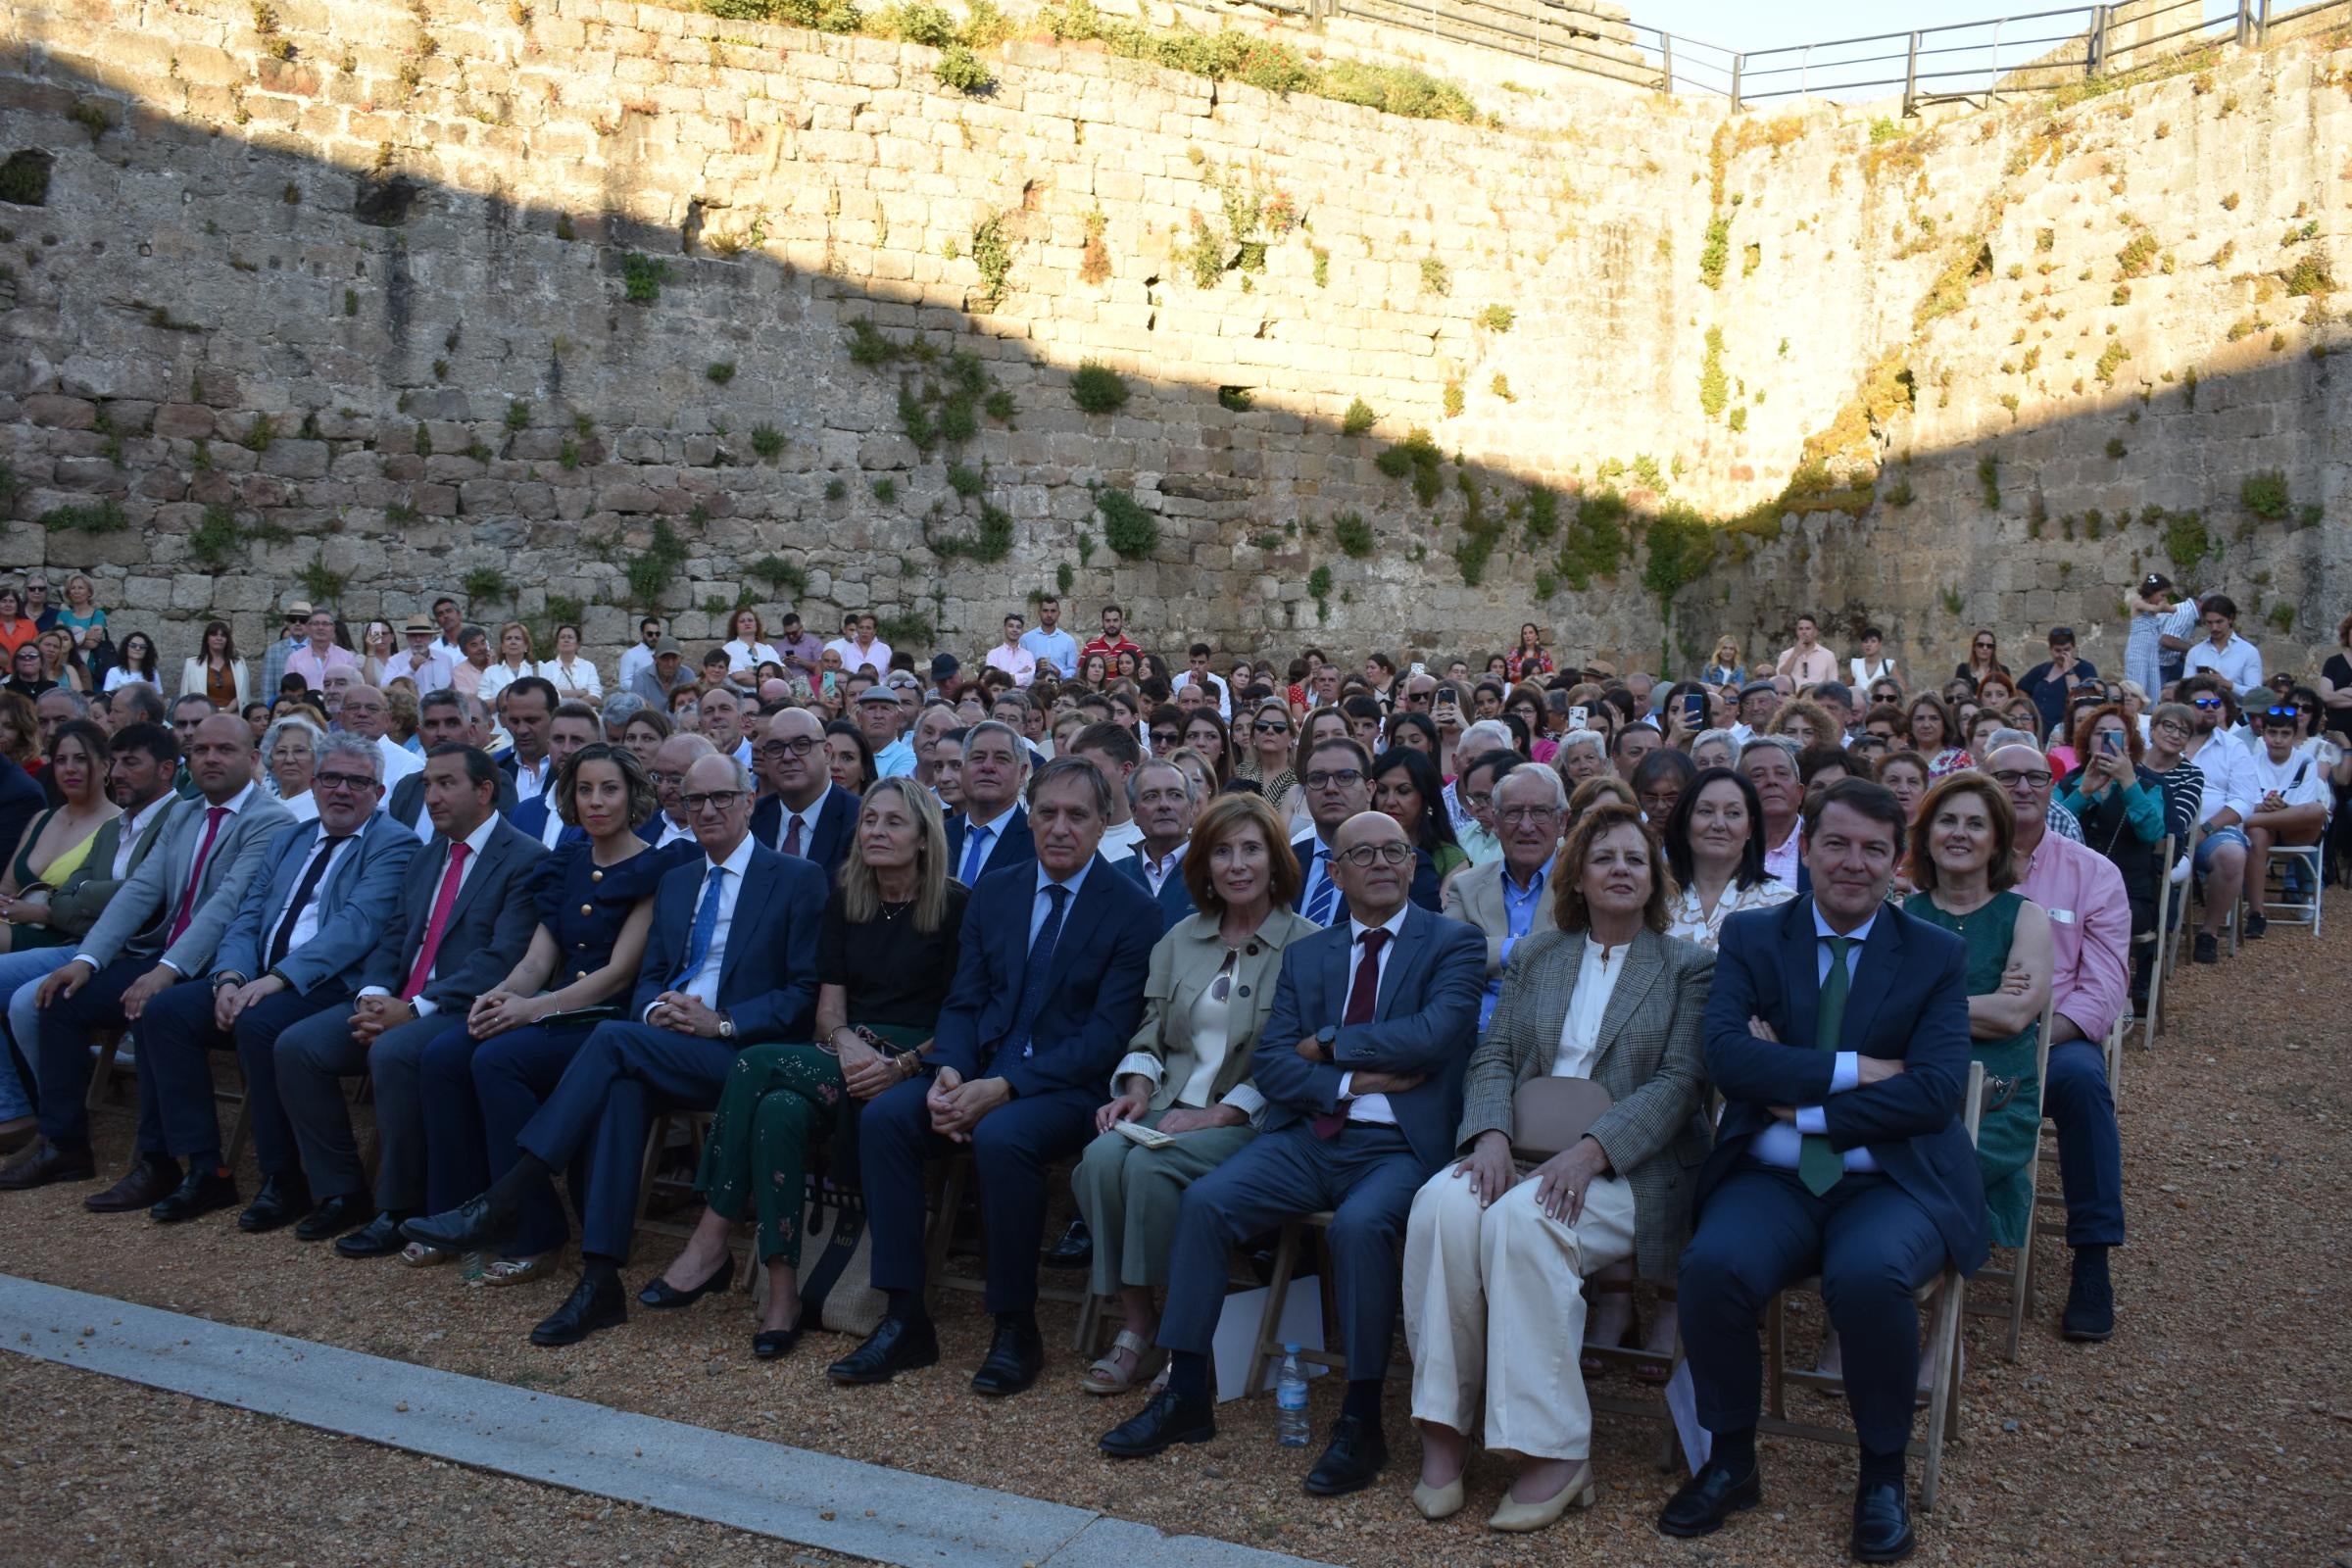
403, 298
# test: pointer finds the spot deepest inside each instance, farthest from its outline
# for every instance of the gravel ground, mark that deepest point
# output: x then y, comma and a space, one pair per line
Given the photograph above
101, 1472
2213, 1429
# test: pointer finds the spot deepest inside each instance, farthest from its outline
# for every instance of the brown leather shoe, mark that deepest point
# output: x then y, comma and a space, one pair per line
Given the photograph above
145, 1185
47, 1163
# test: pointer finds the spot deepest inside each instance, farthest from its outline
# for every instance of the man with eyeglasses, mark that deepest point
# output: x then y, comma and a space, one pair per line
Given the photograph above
1361, 1065
804, 812
1508, 898
1161, 796
992, 830
367, 714
2290, 790
673, 824
2091, 950
2229, 802
304, 923
730, 961
1338, 786
2223, 653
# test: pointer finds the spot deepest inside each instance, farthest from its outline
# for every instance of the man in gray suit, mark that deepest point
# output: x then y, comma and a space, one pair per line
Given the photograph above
1362, 1064
1509, 898
463, 919
305, 925
162, 927
444, 718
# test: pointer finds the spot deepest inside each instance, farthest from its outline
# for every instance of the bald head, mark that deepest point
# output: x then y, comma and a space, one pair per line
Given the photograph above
675, 755
1375, 890
790, 757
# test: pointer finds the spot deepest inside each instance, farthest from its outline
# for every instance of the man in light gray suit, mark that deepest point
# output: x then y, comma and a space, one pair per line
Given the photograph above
1509, 898
292, 951
464, 916
162, 927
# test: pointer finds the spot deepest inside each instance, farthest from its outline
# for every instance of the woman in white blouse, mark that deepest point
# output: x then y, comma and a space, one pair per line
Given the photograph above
749, 649
576, 678
513, 662
1715, 846
1495, 1255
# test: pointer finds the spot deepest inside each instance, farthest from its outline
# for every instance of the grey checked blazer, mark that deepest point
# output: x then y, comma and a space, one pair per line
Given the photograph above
1651, 1062
1475, 898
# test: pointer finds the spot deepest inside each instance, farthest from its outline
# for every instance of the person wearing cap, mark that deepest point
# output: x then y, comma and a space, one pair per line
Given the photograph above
2290, 792
420, 660
667, 674
1009, 656
878, 715
296, 633
2224, 651
944, 668
2050, 685
1759, 700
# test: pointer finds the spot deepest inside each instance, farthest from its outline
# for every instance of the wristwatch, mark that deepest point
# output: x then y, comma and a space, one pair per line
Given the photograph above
1324, 1038
726, 1027
227, 977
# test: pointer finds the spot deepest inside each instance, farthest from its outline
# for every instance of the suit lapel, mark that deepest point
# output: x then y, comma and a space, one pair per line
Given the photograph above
1641, 967
1411, 936
751, 910
1873, 977
1801, 969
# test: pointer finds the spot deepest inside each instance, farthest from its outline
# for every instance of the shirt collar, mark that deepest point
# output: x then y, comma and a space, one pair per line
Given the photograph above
480, 836
1394, 925
995, 824
1534, 884
237, 802
1076, 880
133, 822
736, 863
1860, 933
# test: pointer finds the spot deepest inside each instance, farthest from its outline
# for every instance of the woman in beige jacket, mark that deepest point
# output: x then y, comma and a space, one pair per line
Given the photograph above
1186, 1073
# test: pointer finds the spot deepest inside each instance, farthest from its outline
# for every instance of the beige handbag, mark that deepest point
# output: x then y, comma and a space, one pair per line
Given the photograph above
1550, 1114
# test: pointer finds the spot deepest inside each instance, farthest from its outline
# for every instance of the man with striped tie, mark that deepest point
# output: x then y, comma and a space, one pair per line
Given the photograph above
1337, 783
731, 961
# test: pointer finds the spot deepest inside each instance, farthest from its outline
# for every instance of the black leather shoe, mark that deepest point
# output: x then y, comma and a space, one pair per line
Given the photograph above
143, 1186
378, 1238
1015, 1357
202, 1192
2205, 949
769, 1344
2091, 1300
1351, 1460
592, 1305
45, 1165
281, 1202
661, 1297
1881, 1524
1161, 1425
1708, 1498
1073, 1249
333, 1218
897, 1346
473, 1226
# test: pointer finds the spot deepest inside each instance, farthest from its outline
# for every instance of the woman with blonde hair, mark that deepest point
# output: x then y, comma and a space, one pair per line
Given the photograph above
513, 662
1266, 755
1724, 669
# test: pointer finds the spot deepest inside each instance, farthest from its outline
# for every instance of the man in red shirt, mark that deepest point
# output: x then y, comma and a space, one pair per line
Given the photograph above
1113, 642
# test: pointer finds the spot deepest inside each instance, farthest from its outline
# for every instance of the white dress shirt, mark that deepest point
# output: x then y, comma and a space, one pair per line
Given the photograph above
1371, 1107
397, 762
703, 984
305, 925
430, 670
530, 782
852, 655
422, 1006
635, 662
135, 824
1780, 1143
672, 833
743, 656
2238, 661
995, 830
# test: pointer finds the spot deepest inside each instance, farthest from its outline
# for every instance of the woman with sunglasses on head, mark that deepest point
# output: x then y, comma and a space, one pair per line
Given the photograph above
1267, 757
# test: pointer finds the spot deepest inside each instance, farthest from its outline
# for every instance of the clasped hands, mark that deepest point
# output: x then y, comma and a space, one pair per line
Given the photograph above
498, 1010
1561, 1181
684, 1013
1867, 1070
956, 1106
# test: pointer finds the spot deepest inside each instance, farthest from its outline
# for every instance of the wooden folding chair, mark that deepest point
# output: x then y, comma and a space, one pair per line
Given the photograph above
954, 1177
2017, 1280
1277, 1288
2185, 898
695, 1125
1946, 1292
2164, 941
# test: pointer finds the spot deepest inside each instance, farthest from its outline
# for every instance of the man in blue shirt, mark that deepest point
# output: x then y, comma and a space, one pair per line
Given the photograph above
1507, 899
1048, 642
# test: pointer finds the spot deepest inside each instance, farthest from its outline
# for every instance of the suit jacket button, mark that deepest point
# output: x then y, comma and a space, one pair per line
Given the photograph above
1245, 991
596, 876
587, 908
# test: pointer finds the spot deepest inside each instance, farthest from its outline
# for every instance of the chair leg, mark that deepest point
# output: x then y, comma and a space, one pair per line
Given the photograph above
1090, 1326
102, 1075
1775, 1334
2021, 1295
1278, 1290
1945, 1391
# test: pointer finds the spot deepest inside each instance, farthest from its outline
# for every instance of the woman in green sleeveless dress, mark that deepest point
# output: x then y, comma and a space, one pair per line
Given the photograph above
1963, 865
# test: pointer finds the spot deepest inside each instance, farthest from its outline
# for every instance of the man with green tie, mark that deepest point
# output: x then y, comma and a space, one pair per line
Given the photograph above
1837, 1032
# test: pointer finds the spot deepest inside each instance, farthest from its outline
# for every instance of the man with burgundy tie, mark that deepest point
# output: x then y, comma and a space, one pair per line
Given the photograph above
731, 961
159, 928
307, 919
1362, 1064
804, 812
463, 917
1837, 1033
1048, 992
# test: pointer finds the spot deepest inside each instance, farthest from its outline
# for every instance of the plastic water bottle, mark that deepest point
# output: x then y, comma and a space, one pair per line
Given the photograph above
1290, 1401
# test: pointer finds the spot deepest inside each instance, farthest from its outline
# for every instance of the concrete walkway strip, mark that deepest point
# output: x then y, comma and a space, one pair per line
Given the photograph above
812, 1499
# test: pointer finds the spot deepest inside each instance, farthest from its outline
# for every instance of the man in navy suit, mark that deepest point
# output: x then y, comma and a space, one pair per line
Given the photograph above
731, 961
290, 952
1837, 1032
804, 812
529, 702
1338, 785
991, 831
1160, 795
1362, 1064
1048, 992
575, 726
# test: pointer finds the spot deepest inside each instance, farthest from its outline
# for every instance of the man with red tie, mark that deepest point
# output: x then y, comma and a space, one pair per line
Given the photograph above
464, 916
159, 928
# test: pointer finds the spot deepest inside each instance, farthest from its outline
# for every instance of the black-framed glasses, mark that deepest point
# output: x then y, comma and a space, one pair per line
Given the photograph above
1342, 777
2011, 777
716, 800
354, 782
796, 746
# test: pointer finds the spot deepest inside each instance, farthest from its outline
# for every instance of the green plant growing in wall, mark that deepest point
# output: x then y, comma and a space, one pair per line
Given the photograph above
1451, 400
2115, 450
2281, 618
783, 578
1352, 534
1738, 420
719, 372
1127, 527
2185, 541
1498, 318
766, 440
89, 517
1436, 278
217, 538
886, 490
642, 277
960, 68
1235, 399
1416, 456
321, 584
2308, 276
1716, 252
992, 254
1901, 494
1988, 481
1318, 588
1953, 603
964, 479
836, 489
1358, 418
651, 570
1097, 388
259, 434
1714, 387
1542, 514
487, 585
518, 415
990, 540
2111, 360
2264, 493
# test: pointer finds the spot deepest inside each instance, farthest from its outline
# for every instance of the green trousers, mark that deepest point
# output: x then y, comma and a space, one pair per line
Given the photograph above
1130, 1196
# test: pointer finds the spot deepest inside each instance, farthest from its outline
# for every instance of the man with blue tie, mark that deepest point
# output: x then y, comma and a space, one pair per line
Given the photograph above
731, 962
804, 812
991, 831
1048, 992
1837, 1032
1338, 785
1362, 1064
304, 923
575, 726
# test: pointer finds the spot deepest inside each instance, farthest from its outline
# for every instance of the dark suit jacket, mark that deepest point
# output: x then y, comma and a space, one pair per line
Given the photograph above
1175, 900
1016, 847
21, 798
76, 906
828, 844
1095, 993
352, 899
1908, 1003
489, 926
407, 801
767, 980
530, 818
1425, 1021
1304, 849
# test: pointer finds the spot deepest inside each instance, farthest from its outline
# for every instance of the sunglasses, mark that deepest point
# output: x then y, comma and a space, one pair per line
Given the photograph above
2208, 701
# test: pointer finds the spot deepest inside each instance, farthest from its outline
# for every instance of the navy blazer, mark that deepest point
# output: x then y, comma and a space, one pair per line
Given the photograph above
1175, 900
767, 980
828, 844
533, 816
1304, 849
1425, 1021
365, 882
1094, 992
1908, 1003
490, 925
1015, 848
407, 801
21, 798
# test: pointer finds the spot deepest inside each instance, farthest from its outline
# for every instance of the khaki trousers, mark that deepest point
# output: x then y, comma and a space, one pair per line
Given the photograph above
1130, 1196
1493, 1304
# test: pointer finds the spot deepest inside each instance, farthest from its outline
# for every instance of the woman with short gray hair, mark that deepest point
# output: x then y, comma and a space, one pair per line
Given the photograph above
289, 759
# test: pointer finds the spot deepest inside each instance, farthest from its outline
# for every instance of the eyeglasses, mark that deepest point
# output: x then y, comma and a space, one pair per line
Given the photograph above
716, 800
665, 778
1366, 855
1478, 802
2172, 725
1271, 727
354, 782
797, 746
2010, 777
1340, 778
1516, 815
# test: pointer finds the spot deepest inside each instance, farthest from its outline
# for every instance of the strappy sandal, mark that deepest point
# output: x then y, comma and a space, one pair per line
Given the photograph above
1105, 1376
503, 1272
416, 1254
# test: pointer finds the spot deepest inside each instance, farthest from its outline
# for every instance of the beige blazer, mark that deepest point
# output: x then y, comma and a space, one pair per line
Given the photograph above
1183, 963
1475, 898
1650, 1061
191, 679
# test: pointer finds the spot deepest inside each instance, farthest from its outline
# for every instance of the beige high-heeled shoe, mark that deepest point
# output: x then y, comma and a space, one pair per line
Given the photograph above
1518, 1518
1439, 1502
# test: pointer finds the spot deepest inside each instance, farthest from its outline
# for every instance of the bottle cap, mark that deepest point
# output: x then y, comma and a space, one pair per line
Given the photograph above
1289, 1349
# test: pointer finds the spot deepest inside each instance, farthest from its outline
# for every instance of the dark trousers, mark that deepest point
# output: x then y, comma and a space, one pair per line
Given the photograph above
2090, 1151
63, 1063
176, 1037
479, 1095
1010, 1149
1366, 1175
604, 1104
1871, 1243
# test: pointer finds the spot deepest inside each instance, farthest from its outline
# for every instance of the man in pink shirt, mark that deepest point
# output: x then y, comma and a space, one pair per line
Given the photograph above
314, 659
2091, 942
1807, 663
1011, 657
